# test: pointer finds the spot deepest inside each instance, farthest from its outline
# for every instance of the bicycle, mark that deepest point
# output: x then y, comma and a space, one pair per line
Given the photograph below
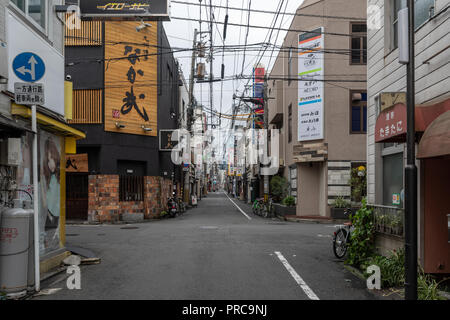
341, 237
258, 206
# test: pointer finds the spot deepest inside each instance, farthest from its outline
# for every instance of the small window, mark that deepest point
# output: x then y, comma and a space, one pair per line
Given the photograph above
423, 10
358, 112
131, 188
359, 43
290, 123
34, 9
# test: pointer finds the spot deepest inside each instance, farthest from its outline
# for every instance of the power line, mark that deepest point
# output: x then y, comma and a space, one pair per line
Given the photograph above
263, 27
288, 13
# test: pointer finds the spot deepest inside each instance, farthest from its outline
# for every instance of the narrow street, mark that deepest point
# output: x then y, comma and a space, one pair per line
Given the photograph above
214, 252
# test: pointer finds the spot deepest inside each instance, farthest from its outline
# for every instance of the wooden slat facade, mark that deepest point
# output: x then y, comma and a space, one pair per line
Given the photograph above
90, 33
87, 106
131, 82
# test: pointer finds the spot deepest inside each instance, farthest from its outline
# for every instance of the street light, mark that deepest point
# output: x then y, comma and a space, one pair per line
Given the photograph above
406, 56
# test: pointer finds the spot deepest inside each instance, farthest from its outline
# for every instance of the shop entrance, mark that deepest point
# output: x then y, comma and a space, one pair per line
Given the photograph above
77, 196
437, 207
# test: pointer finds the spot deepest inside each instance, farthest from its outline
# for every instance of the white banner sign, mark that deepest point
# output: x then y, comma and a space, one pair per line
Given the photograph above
311, 90
23, 40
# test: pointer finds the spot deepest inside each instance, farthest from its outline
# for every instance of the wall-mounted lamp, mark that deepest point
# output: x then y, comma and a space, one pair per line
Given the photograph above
146, 129
142, 26
119, 125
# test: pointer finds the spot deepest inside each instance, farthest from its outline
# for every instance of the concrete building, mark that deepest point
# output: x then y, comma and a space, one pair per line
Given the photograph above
126, 97
33, 29
386, 147
319, 90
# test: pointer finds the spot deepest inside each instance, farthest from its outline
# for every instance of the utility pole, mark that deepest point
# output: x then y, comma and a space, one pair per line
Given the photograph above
211, 76
188, 191
191, 79
410, 171
266, 127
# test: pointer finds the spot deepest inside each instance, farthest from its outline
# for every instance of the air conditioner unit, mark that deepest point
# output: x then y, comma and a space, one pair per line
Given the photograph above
10, 152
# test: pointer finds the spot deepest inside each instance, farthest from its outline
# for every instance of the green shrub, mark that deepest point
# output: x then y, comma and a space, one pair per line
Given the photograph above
289, 201
392, 268
278, 188
163, 214
340, 202
362, 238
358, 182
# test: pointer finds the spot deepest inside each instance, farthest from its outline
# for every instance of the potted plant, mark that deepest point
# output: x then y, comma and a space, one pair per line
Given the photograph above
338, 208
287, 207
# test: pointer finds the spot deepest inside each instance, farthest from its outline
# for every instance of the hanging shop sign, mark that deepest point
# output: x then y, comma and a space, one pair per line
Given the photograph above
77, 163
146, 9
131, 96
310, 86
391, 124
166, 143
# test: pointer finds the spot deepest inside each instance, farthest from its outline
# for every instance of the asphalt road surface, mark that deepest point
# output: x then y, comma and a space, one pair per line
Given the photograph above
219, 250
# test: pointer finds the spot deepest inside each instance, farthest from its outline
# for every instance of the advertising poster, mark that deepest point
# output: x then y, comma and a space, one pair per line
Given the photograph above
49, 150
311, 89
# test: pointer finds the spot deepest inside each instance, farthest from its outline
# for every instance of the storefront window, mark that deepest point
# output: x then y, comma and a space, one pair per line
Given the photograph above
393, 180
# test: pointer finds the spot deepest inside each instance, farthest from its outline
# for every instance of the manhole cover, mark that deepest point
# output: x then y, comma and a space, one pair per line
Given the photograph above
129, 228
72, 234
209, 227
101, 234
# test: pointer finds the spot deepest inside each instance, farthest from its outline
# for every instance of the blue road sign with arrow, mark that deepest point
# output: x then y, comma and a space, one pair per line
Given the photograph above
28, 67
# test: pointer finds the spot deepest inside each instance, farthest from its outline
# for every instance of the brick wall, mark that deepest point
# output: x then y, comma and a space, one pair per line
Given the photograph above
103, 198
104, 204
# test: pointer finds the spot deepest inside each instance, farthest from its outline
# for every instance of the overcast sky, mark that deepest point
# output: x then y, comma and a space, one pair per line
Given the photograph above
180, 34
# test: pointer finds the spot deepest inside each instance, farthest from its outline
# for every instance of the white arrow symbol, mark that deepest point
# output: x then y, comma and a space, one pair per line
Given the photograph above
31, 71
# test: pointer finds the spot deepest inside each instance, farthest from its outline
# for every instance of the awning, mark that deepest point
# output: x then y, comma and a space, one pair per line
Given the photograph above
48, 122
11, 127
435, 141
391, 124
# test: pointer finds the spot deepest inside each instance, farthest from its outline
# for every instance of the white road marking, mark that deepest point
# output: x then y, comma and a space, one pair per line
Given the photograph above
242, 211
311, 295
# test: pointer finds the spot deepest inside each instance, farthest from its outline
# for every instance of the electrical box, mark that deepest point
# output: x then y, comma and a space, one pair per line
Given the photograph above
10, 151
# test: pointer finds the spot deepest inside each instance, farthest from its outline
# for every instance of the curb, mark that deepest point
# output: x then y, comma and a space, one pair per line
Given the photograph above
317, 221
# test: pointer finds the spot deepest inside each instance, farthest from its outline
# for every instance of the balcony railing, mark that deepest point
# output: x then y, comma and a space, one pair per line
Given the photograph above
389, 220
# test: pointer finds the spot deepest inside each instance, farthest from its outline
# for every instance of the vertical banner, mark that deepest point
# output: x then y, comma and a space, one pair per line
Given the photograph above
258, 93
310, 86
131, 81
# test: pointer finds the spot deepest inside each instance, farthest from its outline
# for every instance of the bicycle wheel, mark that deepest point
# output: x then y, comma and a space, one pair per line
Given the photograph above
340, 244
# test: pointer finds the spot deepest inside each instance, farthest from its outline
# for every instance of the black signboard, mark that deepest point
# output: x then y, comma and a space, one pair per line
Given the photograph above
146, 9
168, 140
